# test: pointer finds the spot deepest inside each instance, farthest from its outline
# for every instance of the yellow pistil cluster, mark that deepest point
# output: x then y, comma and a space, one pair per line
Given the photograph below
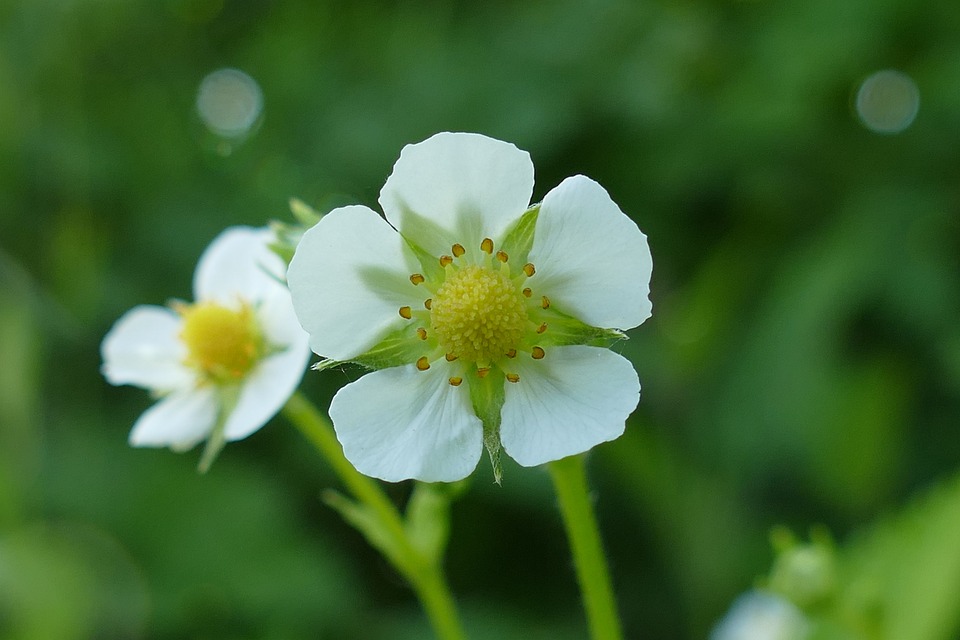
480, 314
224, 344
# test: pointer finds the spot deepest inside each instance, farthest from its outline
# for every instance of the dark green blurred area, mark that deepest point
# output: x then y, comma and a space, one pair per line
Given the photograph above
802, 365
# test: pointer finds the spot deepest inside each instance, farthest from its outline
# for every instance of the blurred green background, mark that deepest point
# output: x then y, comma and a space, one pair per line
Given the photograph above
802, 365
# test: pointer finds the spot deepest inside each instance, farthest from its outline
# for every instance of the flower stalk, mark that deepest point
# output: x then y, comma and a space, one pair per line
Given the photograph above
378, 519
570, 483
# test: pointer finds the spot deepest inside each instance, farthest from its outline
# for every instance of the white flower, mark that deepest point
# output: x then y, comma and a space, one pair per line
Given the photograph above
757, 615
222, 366
484, 317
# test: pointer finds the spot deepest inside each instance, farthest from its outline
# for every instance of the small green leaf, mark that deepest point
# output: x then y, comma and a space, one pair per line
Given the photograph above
487, 395
519, 240
428, 519
567, 330
228, 396
304, 213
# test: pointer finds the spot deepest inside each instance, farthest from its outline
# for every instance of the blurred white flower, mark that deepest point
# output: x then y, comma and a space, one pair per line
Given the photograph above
757, 615
484, 317
222, 366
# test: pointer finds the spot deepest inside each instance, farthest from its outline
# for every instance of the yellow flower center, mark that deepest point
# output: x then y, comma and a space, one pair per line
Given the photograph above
224, 344
478, 314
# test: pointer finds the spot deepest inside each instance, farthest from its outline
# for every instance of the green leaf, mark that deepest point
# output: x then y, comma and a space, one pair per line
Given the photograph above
428, 519
519, 239
903, 576
228, 396
567, 330
486, 395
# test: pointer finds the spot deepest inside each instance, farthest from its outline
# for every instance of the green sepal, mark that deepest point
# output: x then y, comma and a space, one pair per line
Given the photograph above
519, 240
429, 264
304, 213
228, 396
399, 347
487, 395
428, 517
566, 330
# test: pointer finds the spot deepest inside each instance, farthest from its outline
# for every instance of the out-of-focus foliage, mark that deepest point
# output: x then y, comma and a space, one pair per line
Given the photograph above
802, 365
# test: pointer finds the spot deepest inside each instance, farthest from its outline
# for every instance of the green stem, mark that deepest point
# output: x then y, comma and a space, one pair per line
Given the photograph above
570, 482
424, 574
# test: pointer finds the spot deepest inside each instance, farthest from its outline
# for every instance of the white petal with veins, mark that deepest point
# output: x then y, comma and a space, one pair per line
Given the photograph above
591, 259
457, 187
349, 277
566, 403
401, 423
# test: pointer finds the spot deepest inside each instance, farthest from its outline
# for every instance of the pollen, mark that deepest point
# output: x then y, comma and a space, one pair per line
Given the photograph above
478, 314
224, 344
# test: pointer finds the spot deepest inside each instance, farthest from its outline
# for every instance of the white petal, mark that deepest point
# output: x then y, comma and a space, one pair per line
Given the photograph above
144, 348
349, 277
266, 390
401, 423
238, 265
592, 261
179, 420
465, 186
568, 402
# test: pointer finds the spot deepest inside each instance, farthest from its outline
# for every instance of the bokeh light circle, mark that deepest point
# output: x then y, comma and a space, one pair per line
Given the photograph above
229, 102
888, 101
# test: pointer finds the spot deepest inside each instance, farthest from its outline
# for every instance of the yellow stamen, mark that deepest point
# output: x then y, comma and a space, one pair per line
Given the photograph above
529, 269
446, 260
421, 333
417, 278
224, 344
455, 381
458, 250
486, 246
513, 377
537, 353
545, 302
502, 256
422, 363
406, 313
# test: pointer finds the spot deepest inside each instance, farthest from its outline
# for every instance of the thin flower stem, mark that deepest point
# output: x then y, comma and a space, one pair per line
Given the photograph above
570, 483
424, 574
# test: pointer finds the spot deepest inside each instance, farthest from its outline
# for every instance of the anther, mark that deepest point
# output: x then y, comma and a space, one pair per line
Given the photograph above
527, 292
544, 302
417, 278
406, 313
445, 260
487, 245
455, 381
423, 364
482, 372
421, 333
502, 256
512, 353
542, 328
513, 377
450, 357
529, 269
458, 250
537, 353
428, 303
